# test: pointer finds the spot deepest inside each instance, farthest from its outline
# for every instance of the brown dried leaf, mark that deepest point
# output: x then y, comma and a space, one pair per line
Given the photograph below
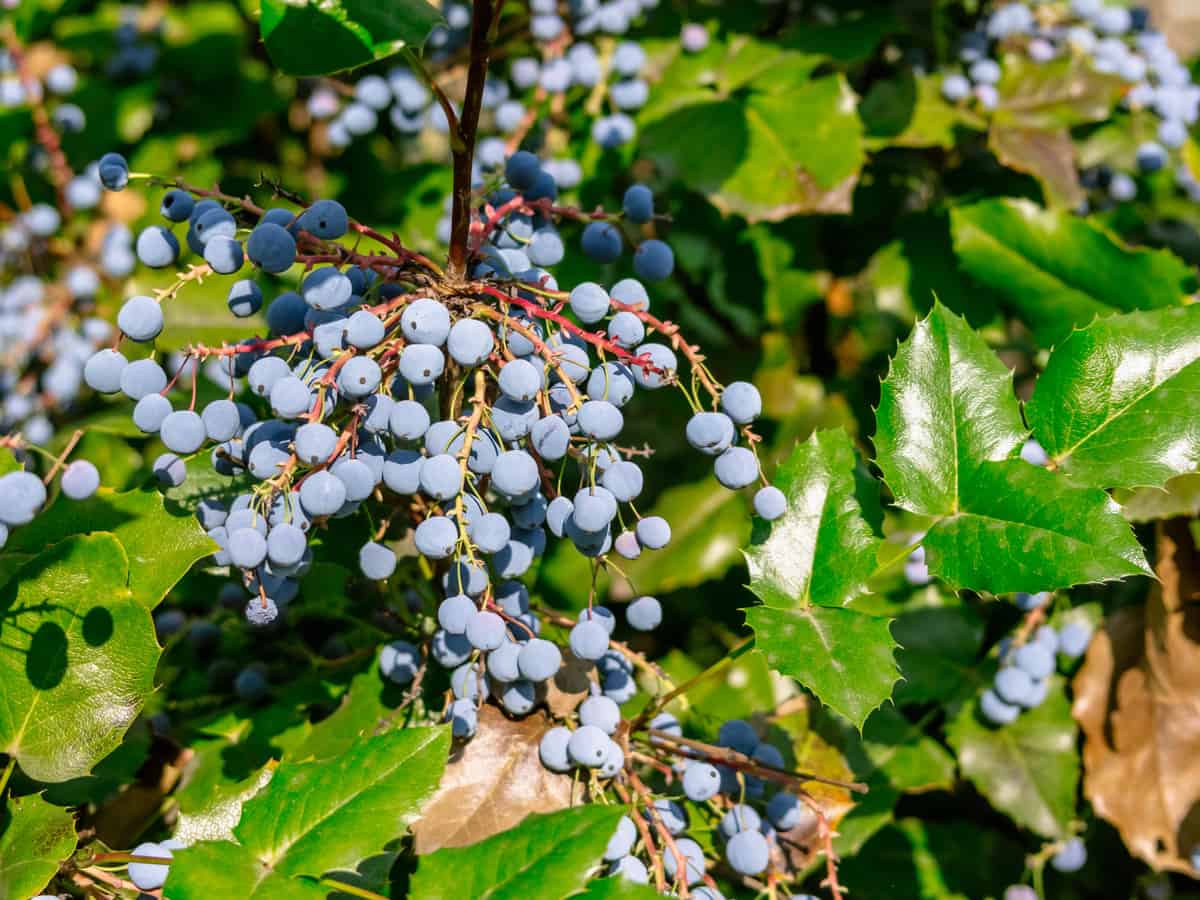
813, 754
1137, 698
1049, 156
493, 782
570, 686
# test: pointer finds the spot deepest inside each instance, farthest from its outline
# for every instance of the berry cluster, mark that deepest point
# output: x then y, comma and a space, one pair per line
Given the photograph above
23, 494
733, 800
1028, 661
517, 95
47, 329
1116, 40
477, 406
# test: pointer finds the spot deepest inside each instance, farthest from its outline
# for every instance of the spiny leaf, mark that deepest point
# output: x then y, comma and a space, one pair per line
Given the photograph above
946, 407
545, 856
77, 657
1023, 528
161, 545
35, 837
843, 656
821, 550
354, 804
1118, 402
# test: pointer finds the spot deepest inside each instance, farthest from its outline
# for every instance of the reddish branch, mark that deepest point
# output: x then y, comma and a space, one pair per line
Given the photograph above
60, 169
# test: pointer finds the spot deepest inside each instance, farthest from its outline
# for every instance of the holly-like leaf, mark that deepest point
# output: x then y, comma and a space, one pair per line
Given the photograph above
161, 545
946, 407
34, 838
843, 656
816, 558
1020, 527
353, 806
1058, 271
493, 782
821, 550
223, 869
1118, 401
1029, 769
77, 658
353, 803
1137, 699
545, 856
315, 37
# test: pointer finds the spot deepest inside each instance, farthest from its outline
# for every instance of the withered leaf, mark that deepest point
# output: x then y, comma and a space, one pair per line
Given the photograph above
493, 782
814, 753
1049, 156
1137, 698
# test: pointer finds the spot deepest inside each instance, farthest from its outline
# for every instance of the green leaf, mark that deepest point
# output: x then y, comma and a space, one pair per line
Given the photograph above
946, 407
749, 127
900, 749
1058, 94
1023, 528
1059, 271
918, 860
817, 558
1029, 769
909, 111
822, 550
315, 37
841, 655
617, 888
546, 856
939, 644
367, 708
223, 869
161, 545
354, 804
1118, 401
34, 838
77, 658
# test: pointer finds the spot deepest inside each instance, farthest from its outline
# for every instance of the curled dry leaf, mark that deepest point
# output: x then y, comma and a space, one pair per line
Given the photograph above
1137, 698
493, 782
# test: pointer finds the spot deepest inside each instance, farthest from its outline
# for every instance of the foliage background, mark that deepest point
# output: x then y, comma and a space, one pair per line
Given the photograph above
822, 196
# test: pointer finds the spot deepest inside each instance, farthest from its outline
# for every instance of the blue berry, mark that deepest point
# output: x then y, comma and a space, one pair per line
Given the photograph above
602, 242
